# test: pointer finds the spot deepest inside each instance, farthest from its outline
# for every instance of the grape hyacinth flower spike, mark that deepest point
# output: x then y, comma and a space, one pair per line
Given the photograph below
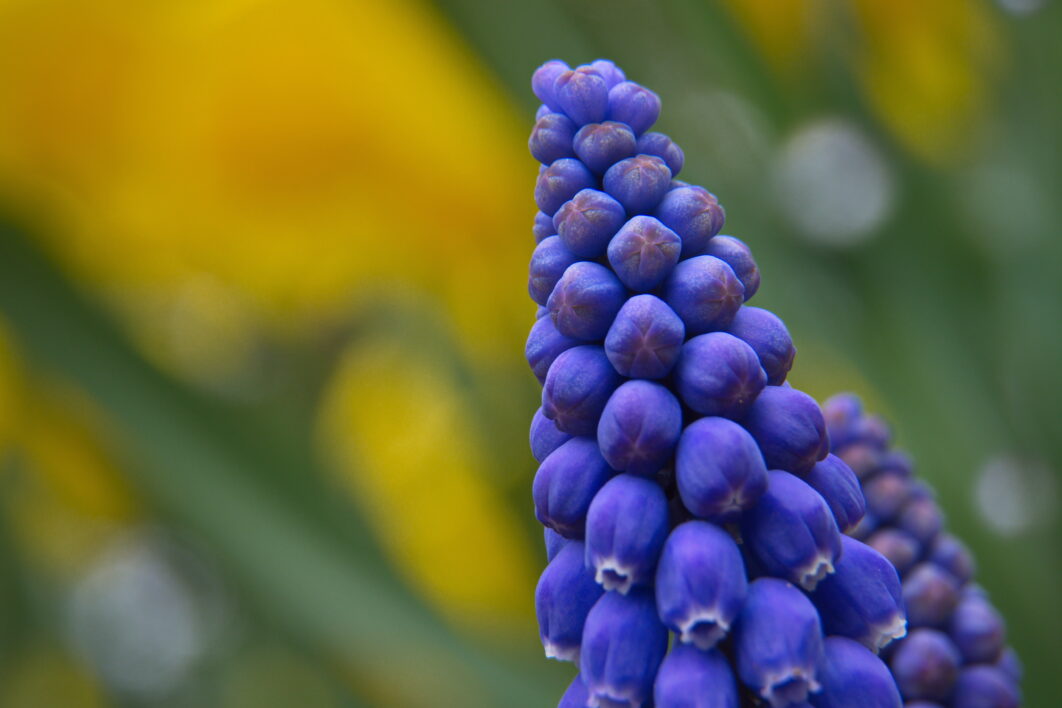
685, 487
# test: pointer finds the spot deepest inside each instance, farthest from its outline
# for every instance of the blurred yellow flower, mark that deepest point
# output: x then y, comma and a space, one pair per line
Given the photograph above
45, 676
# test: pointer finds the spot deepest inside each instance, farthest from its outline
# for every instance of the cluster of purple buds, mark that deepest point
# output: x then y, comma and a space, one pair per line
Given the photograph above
955, 653
693, 513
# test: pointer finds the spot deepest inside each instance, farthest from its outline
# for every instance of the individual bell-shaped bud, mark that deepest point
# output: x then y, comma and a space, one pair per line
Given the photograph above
561, 181
578, 386
663, 147
551, 138
634, 105
690, 678
548, 263
837, 484
639, 427
852, 676
583, 95
543, 228
736, 254
922, 519
700, 583
643, 252
566, 483
789, 428
779, 643
952, 555
1010, 664
623, 645
841, 411
625, 530
925, 665
566, 591
576, 696
705, 293
544, 345
554, 542
638, 183
601, 145
767, 335
901, 548
792, 532
694, 214
585, 301
719, 469
930, 595
864, 459
718, 374
608, 71
588, 222
545, 437
982, 686
645, 339
543, 79
978, 630
862, 599
886, 493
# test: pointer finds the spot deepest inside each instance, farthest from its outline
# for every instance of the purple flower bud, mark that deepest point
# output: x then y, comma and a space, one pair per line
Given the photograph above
690, 678
925, 665
582, 95
560, 182
639, 427
608, 71
977, 630
541, 312
930, 595
543, 228
779, 643
694, 214
663, 147
789, 428
576, 696
700, 583
565, 593
623, 644
542, 110
548, 263
767, 335
578, 385
645, 339
862, 458
886, 493
791, 531
718, 374
985, 687
900, 547
1010, 664
952, 555
719, 469
638, 183
837, 484
554, 542
922, 519
738, 256
587, 222
585, 301
545, 438
544, 344
840, 411
705, 293
862, 600
643, 253
601, 145
634, 105
625, 530
551, 138
566, 483
543, 79
852, 675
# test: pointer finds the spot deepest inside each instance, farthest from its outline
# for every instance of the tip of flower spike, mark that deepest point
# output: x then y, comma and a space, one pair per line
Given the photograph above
815, 571
613, 575
703, 629
883, 635
789, 688
561, 653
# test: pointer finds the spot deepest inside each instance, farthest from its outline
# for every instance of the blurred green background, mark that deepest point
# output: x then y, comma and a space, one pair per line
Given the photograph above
262, 396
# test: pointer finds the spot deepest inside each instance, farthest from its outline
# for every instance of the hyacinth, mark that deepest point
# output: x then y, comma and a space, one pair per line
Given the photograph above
694, 515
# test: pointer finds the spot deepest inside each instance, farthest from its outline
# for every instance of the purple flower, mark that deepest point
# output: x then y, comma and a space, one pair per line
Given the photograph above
565, 593
837, 484
788, 426
705, 293
690, 678
718, 374
548, 263
625, 529
663, 147
643, 252
634, 105
645, 339
925, 665
694, 214
585, 301
551, 138
582, 94
566, 483
638, 183
578, 384
544, 344
851, 675
561, 181
985, 687
623, 645
718, 469
587, 223
768, 337
639, 427
601, 145
545, 437
738, 256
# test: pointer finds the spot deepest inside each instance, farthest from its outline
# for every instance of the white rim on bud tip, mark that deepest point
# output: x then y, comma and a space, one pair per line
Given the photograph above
610, 697
688, 633
555, 651
883, 634
779, 680
815, 572
613, 575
